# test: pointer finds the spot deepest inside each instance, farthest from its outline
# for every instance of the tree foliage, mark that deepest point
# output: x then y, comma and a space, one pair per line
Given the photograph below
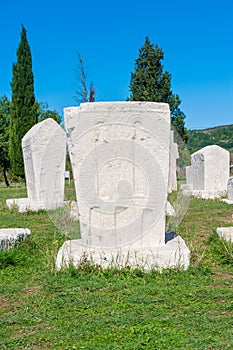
4, 136
44, 112
23, 113
149, 82
219, 135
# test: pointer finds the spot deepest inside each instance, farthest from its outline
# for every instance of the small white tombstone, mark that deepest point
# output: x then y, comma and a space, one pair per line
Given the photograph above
44, 152
230, 189
229, 199
67, 175
173, 156
119, 153
226, 233
209, 172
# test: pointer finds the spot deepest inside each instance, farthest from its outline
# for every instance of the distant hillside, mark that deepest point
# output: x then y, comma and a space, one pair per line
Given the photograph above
219, 135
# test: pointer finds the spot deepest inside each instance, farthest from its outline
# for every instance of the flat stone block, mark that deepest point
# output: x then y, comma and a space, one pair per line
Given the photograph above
174, 254
226, 232
9, 237
23, 205
228, 201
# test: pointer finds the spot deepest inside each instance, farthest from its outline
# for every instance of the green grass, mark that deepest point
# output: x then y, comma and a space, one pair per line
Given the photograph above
94, 309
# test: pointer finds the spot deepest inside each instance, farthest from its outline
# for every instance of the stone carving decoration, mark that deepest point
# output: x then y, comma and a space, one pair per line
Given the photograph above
119, 153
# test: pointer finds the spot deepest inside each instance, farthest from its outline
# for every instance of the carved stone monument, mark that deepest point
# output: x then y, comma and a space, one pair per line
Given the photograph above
44, 152
209, 172
119, 153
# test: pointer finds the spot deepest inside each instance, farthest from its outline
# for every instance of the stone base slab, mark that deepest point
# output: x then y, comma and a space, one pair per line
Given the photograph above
173, 254
204, 194
9, 237
226, 233
23, 204
228, 201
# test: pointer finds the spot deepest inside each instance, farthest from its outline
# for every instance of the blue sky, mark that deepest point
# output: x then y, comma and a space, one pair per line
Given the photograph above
196, 37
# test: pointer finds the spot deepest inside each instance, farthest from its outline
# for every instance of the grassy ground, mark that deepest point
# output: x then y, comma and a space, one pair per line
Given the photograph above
93, 309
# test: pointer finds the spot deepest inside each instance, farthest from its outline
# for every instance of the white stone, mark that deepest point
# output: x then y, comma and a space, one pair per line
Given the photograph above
170, 210
207, 178
9, 237
44, 152
174, 254
229, 199
226, 233
173, 156
230, 189
119, 153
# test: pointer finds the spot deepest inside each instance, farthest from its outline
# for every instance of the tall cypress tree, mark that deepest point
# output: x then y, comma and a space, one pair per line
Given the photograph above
150, 83
23, 113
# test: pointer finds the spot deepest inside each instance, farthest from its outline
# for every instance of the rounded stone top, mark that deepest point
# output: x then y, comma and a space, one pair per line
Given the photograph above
210, 150
41, 130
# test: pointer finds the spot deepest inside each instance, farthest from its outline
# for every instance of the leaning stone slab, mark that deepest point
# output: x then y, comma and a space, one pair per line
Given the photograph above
119, 154
9, 237
44, 153
226, 232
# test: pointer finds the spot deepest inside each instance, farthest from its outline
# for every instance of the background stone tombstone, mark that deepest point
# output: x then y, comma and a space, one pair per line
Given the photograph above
209, 172
230, 189
189, 176
44, 152
229, 199
174, 155
120, 161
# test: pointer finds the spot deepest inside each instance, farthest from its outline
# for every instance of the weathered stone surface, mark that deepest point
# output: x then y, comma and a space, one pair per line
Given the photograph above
120, 160
230, 189
174, 254
209, 173
9, 237
226, 233
173, 156
44, 152
229, 199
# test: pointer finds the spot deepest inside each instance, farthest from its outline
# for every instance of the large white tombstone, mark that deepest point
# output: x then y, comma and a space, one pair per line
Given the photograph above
173, 156
44, 152
119, 153
209, 172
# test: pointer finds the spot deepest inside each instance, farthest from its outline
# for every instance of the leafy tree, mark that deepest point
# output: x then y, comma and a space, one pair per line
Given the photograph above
4, 136
23, 114
150, 83
44, 112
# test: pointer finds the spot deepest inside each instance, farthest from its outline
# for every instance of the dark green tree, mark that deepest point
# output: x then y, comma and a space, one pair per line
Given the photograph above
23, 113
4, 136
149, 82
